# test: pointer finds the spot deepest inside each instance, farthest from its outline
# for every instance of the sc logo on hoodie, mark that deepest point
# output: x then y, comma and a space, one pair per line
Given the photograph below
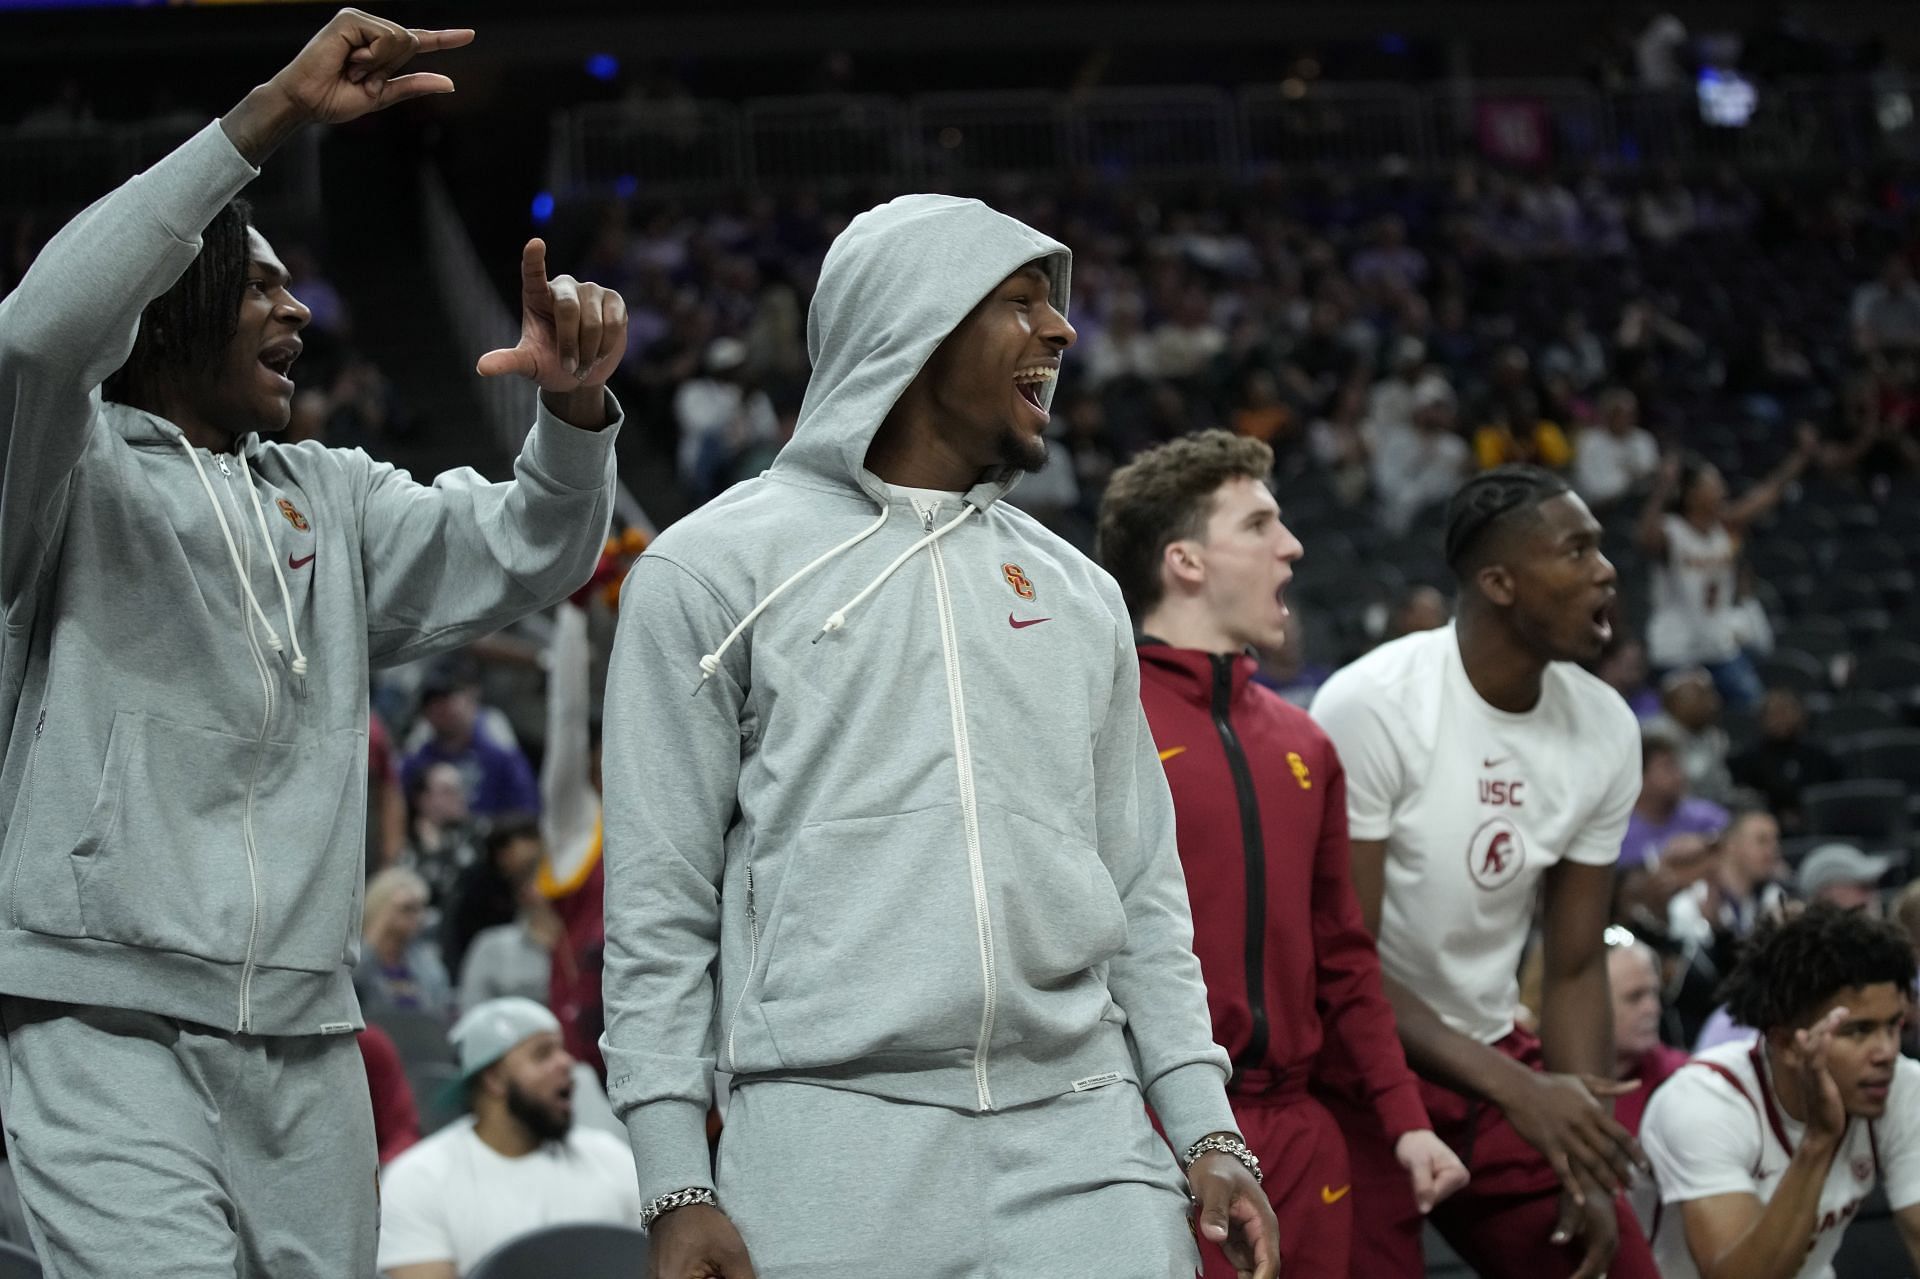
1017, 579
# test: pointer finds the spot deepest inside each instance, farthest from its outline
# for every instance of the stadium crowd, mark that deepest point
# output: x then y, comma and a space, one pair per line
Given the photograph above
1726, 371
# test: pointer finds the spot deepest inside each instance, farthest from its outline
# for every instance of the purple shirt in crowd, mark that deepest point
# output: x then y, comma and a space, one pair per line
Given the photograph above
498, 780
1646, 838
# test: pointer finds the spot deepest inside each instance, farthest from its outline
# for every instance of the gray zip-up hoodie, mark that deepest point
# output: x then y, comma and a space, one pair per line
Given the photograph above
912, 809
184, 668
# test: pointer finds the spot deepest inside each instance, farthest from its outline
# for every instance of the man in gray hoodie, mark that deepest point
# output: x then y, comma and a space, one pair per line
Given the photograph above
887, 838
191, 614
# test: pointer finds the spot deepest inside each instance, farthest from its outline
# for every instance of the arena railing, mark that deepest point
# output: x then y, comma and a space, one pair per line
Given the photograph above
1193, 132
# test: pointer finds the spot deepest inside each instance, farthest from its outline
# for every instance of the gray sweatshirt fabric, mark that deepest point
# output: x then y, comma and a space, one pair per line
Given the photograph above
184, 811
929, 857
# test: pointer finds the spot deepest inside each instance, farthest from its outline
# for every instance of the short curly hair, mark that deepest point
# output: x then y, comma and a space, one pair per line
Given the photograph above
1163, 495
1790, 967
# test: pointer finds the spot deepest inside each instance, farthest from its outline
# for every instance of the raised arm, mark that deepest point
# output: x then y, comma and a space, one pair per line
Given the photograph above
1766, 495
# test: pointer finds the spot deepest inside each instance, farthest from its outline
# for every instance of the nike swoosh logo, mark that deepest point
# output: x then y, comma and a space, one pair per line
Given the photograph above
1019, 625
1495, 763
1170, 752
1328, 1195
302, 562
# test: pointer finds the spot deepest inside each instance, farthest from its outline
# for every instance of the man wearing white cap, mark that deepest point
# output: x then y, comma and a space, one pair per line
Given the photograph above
515, 1165
1843, 875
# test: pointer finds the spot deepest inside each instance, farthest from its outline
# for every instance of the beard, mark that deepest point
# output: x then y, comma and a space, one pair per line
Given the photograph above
1021, 453
543, 1122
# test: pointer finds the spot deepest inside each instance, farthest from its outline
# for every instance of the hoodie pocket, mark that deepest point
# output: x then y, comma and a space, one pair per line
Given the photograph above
872, 946
163, 862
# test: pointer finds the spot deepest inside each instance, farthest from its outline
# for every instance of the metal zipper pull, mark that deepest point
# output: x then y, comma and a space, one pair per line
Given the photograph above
926, 518
40, 724
220, 460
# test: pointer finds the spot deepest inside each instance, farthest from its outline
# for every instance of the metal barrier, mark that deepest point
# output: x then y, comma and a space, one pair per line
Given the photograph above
958, 140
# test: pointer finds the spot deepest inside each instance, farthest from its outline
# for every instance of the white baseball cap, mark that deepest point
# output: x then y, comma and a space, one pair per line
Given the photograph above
491, 1030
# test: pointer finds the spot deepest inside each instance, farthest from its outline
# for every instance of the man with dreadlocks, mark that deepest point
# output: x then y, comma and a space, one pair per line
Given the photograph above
191, 614
1765, 1150
1485, 769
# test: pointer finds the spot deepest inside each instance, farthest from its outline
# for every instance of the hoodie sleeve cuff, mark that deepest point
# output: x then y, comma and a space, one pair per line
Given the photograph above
1191, 1101
1401, 1111
669, 1147
576, 459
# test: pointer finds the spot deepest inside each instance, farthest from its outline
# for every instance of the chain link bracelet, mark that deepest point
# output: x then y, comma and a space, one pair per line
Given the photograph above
678, 1199
1226, 1144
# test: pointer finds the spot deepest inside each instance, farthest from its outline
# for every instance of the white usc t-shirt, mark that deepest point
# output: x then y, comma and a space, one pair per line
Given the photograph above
1707, 1137
454, 1198
1474, 803
1693, 619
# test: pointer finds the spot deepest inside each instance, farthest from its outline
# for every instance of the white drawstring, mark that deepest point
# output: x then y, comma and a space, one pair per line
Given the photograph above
711, 662
193, 454
839, 617
273, 558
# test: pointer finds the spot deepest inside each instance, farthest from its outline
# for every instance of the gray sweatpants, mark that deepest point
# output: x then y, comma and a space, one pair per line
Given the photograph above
149, 1146
823, 1182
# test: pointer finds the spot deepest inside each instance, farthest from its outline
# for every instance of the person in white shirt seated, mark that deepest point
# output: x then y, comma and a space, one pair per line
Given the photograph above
1764, 1150
517, 1164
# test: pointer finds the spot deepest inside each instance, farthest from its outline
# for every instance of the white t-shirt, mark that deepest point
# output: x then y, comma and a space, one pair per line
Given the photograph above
1474, 803
1707, 1137
1607, 466
454, 1198
1693, 618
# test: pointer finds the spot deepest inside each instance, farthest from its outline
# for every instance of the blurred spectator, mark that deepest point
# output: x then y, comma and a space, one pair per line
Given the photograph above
1577, 352
440, 843
488, 892
1340, 444
1121, 349
1419, 465
1262, 414
1691, 531
1618, 456
514, 958
386, 798
1886, 311
497, 777
1783, 762
1665, 211
1518, 433
396, 1119
1624, 668
1289, 670
1634, 978
1389, 266
1185, 344
1390, 400
1842, 875
517, 1164
1749, 879
1665, 809
1419, 608
720, 416
399, 969
1659, 53
1690, 718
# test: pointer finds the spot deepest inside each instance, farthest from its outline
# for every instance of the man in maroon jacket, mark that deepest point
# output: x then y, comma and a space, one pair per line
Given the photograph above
1194, 538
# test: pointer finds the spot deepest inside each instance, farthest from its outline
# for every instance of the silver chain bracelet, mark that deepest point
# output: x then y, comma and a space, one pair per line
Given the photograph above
678, 1199
1226, 1144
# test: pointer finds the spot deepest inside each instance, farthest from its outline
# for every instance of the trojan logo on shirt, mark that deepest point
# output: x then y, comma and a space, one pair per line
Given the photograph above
1017, 579
1495, 854
292, 512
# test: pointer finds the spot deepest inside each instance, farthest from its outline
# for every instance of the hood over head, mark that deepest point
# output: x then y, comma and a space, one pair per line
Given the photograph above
894, 284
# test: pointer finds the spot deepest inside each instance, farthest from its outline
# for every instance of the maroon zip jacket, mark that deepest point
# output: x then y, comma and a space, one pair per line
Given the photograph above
1260, 806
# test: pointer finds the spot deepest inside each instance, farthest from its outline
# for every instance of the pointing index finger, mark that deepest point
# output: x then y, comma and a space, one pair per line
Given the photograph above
435, 41
533, 268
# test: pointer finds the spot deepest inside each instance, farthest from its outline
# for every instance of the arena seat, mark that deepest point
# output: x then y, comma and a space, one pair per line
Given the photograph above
18, 1263
580, 1251
1872, 811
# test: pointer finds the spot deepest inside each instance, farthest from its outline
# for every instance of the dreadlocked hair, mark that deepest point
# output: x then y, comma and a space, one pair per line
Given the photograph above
187, 328
1489, 502
1788, 968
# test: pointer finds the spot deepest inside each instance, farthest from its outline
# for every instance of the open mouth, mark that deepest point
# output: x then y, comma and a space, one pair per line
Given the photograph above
1603, 619
1028, 382
278, 360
